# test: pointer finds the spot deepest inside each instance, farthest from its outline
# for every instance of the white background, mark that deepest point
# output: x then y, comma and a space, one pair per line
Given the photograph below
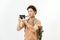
48, 13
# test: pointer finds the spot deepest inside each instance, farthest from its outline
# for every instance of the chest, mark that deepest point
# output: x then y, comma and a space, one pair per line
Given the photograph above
31, 22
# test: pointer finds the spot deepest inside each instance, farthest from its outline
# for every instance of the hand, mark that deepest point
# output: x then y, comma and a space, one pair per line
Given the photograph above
20, 20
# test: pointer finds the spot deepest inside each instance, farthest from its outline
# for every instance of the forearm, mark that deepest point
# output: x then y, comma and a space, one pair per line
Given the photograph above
32, 28
20, 26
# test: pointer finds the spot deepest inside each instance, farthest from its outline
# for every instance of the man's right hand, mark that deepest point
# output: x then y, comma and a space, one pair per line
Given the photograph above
20, 24
20, 20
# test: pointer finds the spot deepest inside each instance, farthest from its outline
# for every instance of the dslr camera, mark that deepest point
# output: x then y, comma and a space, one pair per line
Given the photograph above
22, 16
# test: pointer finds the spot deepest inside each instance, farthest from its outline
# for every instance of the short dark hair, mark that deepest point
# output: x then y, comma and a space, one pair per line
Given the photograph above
33, 7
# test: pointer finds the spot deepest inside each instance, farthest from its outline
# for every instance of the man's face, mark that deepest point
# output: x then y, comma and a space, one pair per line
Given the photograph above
31, 12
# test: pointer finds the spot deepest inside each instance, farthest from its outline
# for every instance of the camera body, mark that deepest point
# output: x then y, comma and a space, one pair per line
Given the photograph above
22, 16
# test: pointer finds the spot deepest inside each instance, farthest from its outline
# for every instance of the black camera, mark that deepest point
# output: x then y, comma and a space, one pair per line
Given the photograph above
22, 16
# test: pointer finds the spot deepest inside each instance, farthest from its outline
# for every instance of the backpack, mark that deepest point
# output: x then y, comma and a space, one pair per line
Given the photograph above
39, 31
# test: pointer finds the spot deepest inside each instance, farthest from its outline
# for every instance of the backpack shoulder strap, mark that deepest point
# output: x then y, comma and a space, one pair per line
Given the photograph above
35, 20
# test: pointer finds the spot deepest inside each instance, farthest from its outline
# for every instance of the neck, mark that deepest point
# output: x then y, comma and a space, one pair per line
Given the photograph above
32, 17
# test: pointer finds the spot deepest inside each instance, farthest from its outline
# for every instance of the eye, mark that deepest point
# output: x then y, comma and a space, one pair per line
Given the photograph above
31, 11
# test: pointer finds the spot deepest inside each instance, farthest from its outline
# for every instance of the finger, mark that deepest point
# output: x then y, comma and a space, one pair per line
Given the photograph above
19, 19
23, 17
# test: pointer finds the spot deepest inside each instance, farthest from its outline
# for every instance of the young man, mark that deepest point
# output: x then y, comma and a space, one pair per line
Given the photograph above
30, 27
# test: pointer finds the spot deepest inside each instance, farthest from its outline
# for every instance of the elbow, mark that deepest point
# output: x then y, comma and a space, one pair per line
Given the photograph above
18, 29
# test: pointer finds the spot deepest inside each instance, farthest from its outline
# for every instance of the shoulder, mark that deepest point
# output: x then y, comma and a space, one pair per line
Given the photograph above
38, 22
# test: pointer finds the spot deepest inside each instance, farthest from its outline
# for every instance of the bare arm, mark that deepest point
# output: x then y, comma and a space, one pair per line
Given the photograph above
35, 27
20, 24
